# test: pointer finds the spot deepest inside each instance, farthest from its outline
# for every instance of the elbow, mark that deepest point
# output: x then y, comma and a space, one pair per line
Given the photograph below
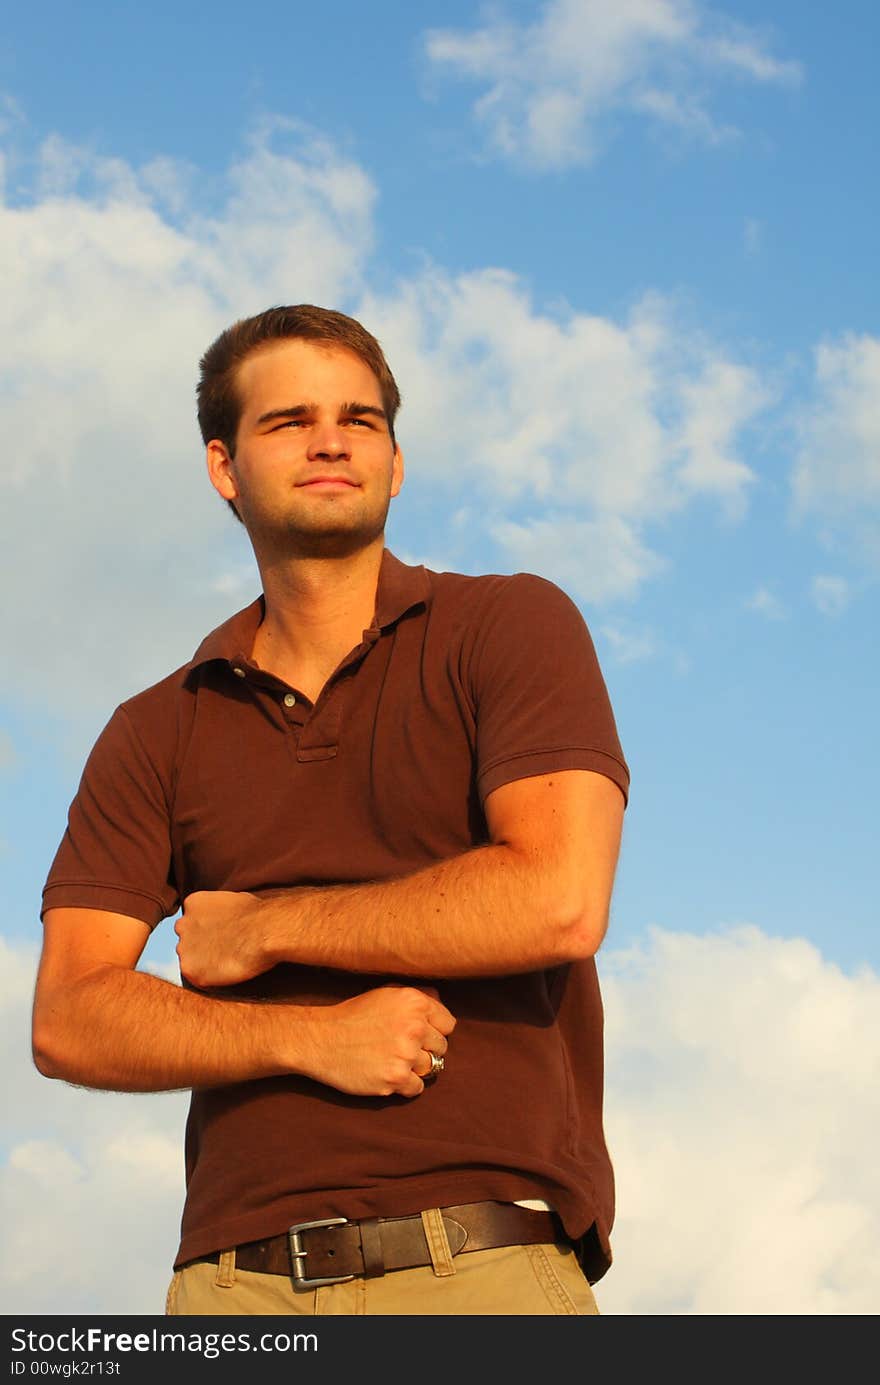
580, 929
44, 1062
47, 1048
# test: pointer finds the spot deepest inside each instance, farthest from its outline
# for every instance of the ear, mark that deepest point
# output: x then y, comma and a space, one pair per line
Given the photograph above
396, 471
220, 469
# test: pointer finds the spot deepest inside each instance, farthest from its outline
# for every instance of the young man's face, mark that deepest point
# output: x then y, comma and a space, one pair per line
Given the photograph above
314, 467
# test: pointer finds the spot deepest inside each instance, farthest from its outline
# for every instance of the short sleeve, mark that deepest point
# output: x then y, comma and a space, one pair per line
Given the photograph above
540, 697
116, 851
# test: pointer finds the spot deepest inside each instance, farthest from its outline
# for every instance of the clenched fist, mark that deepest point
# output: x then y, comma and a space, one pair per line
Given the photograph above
379, 1043
221, 941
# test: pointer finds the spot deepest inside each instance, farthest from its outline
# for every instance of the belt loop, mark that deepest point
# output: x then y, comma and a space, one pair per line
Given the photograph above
371, 1247
438, 1242
225, 1276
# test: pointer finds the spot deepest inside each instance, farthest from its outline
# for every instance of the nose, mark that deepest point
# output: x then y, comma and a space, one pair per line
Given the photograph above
328, 441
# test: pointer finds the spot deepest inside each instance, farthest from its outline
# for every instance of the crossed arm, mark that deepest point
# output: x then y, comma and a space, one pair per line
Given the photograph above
536, 896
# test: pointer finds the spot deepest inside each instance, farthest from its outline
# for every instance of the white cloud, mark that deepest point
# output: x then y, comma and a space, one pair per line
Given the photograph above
573, 432
831, 594
595, 560
741, 1115
95, 1231
627, 644
742, 1109
87, 1178
551, 84
717, 405
767, 604
169, 971
741, 49
11, 113
547, 405
753, 235
836, 477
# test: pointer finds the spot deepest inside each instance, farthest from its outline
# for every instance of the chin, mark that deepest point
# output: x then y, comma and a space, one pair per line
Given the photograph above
331, 541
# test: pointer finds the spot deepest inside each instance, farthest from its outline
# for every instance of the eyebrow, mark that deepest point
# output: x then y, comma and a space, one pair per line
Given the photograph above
350, 410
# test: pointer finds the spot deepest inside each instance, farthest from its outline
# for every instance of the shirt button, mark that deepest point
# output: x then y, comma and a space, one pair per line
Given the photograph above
239, 673
289, 700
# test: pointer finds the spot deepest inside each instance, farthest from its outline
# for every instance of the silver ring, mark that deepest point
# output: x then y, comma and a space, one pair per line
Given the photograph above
437, 1065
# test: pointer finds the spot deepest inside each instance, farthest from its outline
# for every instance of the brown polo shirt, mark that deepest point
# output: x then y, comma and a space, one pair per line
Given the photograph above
222, 777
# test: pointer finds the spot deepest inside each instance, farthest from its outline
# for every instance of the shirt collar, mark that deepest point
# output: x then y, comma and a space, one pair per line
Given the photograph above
400, 589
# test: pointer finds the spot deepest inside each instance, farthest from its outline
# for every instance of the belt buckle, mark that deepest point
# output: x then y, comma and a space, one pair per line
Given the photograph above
298, 1253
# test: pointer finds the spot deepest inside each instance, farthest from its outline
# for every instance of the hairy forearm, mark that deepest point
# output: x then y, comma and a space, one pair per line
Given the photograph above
487, 912
122, 1030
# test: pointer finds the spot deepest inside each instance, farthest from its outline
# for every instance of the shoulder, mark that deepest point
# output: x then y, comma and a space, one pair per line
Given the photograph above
506, 615
149, 710
519, 593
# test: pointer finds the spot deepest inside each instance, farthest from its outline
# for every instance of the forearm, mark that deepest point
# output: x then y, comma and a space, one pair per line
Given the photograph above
122, 1030
487, 912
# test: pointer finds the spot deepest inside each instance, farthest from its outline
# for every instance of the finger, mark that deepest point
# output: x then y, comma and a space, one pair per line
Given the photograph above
422, 1065
412, 1085
441, 1018
435, 1042
427, 1068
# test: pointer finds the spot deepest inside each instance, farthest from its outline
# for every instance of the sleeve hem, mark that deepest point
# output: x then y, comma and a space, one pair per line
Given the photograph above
530, 763
115, 899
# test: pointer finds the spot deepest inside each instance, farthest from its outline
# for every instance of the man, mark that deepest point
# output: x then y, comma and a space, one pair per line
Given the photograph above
387, 804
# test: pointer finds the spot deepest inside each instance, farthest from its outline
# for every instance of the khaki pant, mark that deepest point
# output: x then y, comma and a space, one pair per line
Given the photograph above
535, 1280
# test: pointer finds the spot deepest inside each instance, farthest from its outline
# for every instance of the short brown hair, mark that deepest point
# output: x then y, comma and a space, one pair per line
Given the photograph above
219, 403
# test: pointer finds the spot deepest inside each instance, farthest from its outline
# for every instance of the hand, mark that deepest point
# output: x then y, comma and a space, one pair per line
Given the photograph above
379, 1043
221, 940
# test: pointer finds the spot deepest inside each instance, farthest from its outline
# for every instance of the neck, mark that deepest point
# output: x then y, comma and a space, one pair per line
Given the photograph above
316, 608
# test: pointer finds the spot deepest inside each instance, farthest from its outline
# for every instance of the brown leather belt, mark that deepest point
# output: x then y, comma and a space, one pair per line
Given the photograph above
325, 1252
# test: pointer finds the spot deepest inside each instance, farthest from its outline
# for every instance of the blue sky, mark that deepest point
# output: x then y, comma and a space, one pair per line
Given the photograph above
623, 263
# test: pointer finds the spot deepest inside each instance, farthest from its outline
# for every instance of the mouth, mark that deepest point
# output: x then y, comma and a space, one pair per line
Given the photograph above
327, 483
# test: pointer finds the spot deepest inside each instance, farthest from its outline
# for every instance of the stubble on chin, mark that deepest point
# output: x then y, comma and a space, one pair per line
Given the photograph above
325, 537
